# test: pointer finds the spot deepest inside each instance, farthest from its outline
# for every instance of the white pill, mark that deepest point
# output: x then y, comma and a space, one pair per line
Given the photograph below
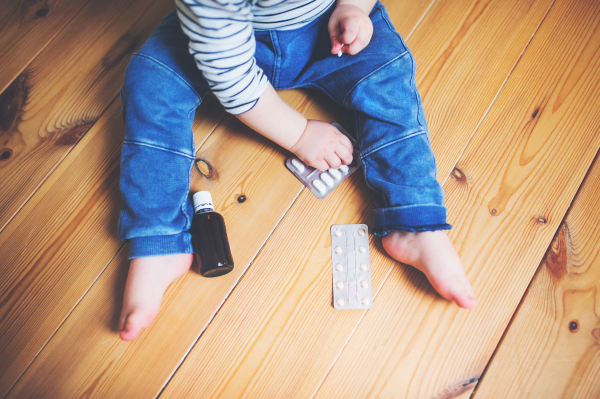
344, 168
327, 179
361, 232
364, 284
339, 285
340, 302
319, 186
363, 266
338, 250
365, 301
362, 249
340, 53
335, 173
338, 233
298, 165
339, 267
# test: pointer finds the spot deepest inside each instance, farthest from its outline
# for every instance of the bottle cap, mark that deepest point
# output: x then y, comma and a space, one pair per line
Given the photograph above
203, 202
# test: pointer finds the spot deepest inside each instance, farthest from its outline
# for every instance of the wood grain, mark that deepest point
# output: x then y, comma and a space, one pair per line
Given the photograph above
506, 198
55, 248
284, 345
464, 51
551, 349
60, 95
229, 157
243, 163
26, 27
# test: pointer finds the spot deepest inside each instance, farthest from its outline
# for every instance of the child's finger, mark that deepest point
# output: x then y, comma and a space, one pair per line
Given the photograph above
333, 161
344, 154
349, 31
346, 141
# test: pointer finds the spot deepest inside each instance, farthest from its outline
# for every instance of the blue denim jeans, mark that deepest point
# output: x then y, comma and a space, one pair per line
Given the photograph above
163, 88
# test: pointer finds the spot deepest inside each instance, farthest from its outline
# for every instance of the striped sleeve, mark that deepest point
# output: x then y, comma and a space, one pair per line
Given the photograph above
222, 43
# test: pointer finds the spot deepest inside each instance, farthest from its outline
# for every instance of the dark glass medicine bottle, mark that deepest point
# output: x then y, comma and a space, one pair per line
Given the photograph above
209, 238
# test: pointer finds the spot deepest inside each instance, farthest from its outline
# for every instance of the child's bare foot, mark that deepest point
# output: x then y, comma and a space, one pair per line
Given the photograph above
147, 281
322, 146
432, 253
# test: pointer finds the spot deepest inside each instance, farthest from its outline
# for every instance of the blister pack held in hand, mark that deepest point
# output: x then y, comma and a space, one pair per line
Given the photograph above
321, 183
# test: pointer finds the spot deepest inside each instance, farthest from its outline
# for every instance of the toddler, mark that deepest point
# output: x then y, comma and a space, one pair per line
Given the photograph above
242, 50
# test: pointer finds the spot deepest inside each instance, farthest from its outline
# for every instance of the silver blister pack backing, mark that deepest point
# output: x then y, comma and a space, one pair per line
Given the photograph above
351, 266
321, 183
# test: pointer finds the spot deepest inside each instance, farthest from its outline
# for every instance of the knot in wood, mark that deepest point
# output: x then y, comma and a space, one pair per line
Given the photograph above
494, 211
573, 326
42, 12
541, 220
241, 199
458, 175
5, 154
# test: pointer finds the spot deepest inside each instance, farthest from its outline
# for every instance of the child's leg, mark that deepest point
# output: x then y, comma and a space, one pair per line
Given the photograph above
161, 90
378, 84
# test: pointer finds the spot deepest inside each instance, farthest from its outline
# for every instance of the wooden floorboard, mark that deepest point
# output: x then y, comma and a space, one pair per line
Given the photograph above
66, 234
551, 349
62, 93
26, 27
285, 344
269, 329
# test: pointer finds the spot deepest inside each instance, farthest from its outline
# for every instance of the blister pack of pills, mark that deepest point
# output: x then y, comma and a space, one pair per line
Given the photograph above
321, 183
351, 266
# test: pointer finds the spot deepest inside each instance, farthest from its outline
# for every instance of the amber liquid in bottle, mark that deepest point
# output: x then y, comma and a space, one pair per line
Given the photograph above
209, 238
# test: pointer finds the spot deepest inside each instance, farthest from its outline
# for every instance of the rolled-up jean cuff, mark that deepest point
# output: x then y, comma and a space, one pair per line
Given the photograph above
413, 218
140, 247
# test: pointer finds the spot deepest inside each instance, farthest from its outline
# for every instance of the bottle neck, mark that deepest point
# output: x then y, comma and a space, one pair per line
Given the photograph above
204, 210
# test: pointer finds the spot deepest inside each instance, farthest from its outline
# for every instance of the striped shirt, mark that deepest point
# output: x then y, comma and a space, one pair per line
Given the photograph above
221, 34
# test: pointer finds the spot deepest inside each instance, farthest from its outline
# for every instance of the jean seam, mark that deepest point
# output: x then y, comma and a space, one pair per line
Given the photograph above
375, 71
392, 142
191, 157
166, 67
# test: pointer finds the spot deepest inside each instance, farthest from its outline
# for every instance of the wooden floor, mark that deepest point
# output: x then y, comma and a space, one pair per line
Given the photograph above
511, 90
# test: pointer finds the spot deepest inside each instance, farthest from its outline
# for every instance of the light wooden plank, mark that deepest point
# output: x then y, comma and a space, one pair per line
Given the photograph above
506, 199
284, 344
464, 52
26, 27
90, 352
551, 347
60, 95
245, 163
55, 248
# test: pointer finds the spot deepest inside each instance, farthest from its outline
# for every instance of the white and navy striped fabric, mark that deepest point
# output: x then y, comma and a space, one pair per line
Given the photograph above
222, 41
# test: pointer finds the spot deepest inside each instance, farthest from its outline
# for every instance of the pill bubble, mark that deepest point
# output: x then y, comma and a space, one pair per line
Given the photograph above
335, 173
364, 284
362, 249
338, 233
361, 232
327, 179
339, 267
338, 250
339, 285
363, 266
365, 301
319, 186
344, 168
298, 165
340, 302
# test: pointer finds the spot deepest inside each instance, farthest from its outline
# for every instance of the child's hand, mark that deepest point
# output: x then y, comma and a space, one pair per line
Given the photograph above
350, 29
322, 146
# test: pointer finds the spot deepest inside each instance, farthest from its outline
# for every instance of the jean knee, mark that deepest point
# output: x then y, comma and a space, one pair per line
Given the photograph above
388, 105
158, 106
